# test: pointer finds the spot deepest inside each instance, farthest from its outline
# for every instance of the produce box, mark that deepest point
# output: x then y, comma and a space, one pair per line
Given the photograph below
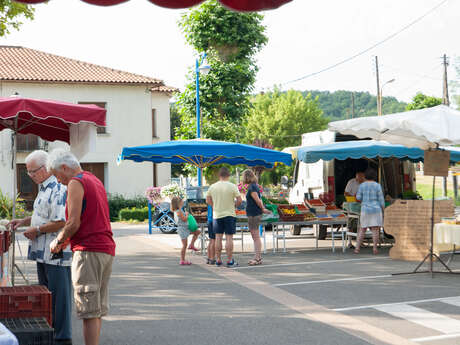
199, 211
290, 213
316, 204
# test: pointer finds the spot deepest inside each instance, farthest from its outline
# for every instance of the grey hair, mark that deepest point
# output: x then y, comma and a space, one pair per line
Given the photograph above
59, 157
38, 156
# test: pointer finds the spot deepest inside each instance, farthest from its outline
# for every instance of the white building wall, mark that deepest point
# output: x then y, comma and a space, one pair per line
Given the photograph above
129, 123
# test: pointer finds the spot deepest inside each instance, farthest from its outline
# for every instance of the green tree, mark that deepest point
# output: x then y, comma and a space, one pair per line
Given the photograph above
280, 118
11, 14
337, 105
230, 40
421, 101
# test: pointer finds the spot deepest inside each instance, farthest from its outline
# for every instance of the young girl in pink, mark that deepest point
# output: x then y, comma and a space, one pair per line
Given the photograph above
181, 219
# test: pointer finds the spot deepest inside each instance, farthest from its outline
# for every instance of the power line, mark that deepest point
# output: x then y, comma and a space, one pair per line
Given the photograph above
369, 48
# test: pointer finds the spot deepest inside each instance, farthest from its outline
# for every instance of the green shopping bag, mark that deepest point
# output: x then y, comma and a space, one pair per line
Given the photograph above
192, 224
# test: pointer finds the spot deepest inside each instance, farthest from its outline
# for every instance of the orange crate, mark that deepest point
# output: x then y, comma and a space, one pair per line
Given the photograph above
25, 302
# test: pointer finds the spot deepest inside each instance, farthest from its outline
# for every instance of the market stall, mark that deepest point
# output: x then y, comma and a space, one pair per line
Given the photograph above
427, 129
203, 153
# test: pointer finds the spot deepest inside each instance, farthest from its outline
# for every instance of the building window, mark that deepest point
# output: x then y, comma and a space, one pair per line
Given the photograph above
100, 129
154, 124
26, 142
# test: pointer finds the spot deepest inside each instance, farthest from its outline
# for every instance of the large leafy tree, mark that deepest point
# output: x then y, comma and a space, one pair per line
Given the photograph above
280, 118
230, 40
421, 101
11, 14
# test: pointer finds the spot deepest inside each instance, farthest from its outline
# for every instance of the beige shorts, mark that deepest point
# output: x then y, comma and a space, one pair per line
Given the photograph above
254, 222
90, 278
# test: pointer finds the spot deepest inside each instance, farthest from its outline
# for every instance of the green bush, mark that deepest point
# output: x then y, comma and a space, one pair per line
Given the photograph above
6, 207
118, 202
133, 213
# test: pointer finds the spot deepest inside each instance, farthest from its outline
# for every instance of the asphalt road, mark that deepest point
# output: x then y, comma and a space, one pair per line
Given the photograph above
305, 296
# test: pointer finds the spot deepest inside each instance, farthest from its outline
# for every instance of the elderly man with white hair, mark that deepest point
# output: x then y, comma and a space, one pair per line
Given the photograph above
47, 219
91, 240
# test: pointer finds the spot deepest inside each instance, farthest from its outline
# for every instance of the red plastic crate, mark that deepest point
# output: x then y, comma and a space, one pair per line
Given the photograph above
25, 302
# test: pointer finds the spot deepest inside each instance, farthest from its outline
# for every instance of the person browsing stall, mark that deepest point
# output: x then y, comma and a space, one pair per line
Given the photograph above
370, 196
254, 210
224, 196
91, 240
48, 218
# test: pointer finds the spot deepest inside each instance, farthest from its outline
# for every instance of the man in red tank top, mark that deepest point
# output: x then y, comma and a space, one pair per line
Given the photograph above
91, 239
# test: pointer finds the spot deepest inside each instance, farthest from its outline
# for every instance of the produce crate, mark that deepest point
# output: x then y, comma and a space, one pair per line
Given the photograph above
30, 331
199, 211
316, 204
25, 301
289, 217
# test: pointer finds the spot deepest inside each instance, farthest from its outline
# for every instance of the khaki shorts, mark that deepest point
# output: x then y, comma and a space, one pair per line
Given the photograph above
90, 278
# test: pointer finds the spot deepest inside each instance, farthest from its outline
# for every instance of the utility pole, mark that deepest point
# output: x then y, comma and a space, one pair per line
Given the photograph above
379, 101
445, 101
352, 105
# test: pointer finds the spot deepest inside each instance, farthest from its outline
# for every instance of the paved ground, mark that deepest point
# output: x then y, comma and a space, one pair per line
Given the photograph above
304, 296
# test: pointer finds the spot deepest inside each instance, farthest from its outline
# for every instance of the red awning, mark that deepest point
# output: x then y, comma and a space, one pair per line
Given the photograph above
50, 120
238, 5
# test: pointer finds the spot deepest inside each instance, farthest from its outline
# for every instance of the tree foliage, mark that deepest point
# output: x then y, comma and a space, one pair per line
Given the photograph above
230, 40
280, 118
338, 105
11, 14
421, 101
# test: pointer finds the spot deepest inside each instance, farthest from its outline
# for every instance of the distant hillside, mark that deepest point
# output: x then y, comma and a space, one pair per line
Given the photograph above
337, 105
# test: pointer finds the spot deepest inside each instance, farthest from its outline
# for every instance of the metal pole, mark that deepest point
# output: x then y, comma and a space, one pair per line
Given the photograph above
379, 95
198, 132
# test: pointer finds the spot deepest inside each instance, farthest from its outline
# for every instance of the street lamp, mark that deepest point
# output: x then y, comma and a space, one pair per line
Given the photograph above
380, 95
201, 66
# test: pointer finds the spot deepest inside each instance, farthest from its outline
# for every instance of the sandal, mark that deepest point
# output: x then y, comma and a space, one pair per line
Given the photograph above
255, 262
185, 263
375, 251
356, 251
193, 248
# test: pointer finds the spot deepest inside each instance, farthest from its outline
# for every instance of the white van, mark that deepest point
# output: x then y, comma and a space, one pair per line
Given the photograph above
313, 179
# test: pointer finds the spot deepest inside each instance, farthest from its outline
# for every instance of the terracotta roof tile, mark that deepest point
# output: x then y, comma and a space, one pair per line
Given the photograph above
24, 64
164, 88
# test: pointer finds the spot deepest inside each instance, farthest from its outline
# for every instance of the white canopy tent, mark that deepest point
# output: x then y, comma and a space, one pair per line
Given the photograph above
427, 129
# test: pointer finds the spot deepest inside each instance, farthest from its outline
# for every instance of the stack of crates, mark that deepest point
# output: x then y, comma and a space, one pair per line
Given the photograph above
31, 331
25, 302
26, 312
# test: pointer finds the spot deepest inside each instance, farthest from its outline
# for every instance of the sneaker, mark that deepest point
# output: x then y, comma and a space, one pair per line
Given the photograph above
210, 261
185, 263
350, 246
218, 263
232, 263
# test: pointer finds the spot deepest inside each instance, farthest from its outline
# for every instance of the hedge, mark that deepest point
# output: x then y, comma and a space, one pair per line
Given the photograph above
118, 202
133, 213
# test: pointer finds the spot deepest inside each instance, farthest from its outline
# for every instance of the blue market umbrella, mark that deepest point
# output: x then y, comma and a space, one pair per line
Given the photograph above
203, 153
365, 149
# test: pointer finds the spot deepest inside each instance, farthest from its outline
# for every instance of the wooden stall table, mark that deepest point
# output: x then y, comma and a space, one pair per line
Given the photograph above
446, 237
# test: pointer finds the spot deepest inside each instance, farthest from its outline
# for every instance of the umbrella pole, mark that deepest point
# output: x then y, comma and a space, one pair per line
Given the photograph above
15, 182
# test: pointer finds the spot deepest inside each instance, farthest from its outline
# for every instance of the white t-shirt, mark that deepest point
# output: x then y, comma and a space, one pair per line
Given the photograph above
352, 187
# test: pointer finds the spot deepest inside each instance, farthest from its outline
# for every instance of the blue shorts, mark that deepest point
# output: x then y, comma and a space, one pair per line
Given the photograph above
211, 233
225, 225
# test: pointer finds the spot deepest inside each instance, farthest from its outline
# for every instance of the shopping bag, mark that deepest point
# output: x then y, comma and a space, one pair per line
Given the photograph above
192, 224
